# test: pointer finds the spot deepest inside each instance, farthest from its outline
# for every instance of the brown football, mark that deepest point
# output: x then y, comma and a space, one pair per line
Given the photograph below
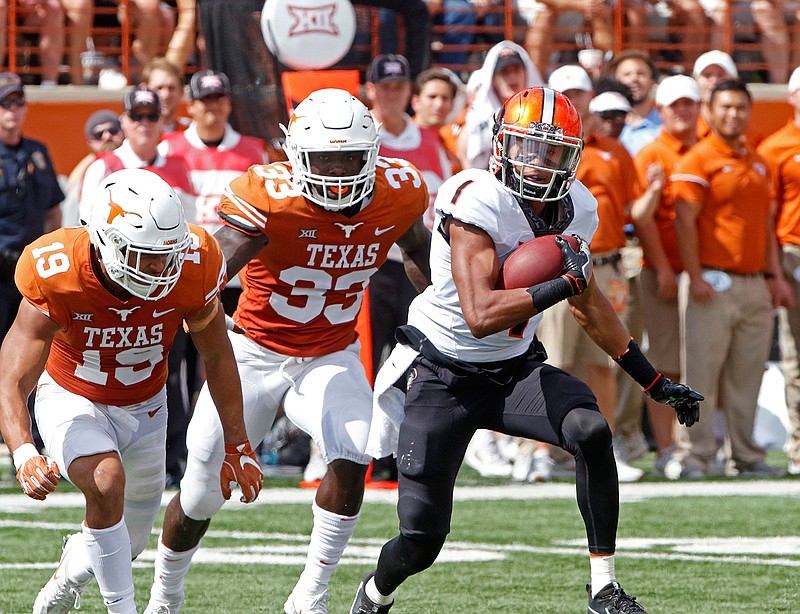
534, 262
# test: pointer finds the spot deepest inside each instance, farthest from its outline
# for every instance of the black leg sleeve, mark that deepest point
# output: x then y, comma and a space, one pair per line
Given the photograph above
403, 557
586, 435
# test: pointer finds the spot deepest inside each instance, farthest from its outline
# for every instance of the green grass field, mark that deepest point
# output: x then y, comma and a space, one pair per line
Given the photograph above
717, 546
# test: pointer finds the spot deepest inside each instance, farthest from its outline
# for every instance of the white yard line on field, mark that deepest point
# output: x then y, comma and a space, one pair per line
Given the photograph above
19, 503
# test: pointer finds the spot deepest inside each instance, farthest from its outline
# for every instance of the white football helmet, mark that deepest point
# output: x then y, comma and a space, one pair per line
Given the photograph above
332, 120
137, 218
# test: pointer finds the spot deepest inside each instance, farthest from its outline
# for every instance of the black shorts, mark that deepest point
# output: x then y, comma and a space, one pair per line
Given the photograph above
445, 408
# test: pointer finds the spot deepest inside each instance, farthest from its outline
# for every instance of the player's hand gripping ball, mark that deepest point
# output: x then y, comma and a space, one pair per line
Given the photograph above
534, 262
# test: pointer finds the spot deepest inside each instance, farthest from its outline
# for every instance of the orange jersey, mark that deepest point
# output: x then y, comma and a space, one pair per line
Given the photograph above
781, 151
303, 291
107, 350
734, 192
608, 171
666, 151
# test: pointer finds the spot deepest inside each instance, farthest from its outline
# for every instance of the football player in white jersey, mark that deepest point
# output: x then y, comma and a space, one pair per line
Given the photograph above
475, 362
308, 235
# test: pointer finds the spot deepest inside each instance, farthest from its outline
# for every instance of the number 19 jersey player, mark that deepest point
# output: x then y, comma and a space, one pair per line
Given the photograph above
309, 234
103, 303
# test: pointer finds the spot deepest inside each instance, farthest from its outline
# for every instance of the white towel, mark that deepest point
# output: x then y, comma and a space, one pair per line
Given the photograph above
388, 402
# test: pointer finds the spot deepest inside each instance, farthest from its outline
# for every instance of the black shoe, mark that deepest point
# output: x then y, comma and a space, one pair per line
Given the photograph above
363, 604
612, 600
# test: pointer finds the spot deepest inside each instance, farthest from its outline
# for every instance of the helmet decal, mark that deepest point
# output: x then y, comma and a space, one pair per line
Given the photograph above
138, 229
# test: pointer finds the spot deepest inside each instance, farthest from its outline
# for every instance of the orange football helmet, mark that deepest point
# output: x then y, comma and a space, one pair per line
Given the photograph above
537, 141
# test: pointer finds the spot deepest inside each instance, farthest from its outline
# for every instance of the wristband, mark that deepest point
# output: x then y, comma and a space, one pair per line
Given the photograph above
23, 454
549, 293
635, 364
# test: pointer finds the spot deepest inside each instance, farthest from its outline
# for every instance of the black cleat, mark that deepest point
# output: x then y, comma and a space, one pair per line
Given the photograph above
612, 600
364, 605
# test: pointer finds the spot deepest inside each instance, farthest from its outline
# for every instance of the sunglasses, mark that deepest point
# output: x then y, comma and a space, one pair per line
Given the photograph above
140, 117
613, 116
13, 102
98, 134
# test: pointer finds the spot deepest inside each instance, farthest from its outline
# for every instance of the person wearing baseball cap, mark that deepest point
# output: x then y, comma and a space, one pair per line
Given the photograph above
10, 84
207, 83
710, 69
215, 154
388, 67
678, 101
611, 109
608, 172
31, 196
103, 133
779, 151
141, 124
570, 77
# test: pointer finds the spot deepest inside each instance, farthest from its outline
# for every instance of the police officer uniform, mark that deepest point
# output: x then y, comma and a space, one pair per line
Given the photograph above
28, 190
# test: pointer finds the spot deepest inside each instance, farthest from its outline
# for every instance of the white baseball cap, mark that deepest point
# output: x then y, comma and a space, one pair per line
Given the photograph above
794, 81
609, 101
570, 77
676, 87
720, 58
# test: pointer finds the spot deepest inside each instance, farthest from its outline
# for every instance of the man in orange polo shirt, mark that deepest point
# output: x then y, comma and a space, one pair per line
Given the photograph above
608, 171
678, 102
724, 220
781, 151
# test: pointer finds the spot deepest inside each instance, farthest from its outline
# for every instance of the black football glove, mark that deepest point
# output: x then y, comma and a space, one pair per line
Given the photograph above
577, 265
684, 400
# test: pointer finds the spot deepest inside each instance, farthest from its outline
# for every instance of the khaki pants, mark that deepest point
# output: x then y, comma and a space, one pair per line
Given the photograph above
726, 342
790, 349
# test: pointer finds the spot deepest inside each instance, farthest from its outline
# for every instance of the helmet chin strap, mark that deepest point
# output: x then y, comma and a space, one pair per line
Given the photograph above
102, 275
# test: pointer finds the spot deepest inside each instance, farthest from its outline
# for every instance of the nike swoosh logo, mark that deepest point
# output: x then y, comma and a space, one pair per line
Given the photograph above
158, 314
380, 231
246, 460
155, 411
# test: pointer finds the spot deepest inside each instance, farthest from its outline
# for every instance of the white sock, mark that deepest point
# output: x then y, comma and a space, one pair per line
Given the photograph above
375, 595
602, 572
110, 552
171, 568
77, 565
329, 537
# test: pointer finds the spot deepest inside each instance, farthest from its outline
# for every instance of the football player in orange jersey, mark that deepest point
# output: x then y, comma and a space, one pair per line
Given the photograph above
103, 303
309, 233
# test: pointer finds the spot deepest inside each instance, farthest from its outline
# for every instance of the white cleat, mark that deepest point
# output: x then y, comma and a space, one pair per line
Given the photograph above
317, 604
59, 596
165, 605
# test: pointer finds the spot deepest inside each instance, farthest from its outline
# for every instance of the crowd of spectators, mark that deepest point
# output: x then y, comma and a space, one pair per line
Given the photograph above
64, 35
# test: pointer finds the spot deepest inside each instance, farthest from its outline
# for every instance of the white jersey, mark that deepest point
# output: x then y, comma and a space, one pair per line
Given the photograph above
475, 197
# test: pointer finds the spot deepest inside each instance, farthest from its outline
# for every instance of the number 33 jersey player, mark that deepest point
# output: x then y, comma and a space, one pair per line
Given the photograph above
103, 303
309, 234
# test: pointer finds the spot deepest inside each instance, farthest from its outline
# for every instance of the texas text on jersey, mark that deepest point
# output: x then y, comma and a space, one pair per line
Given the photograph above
304, 290
108, 350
